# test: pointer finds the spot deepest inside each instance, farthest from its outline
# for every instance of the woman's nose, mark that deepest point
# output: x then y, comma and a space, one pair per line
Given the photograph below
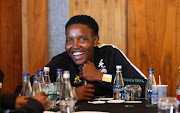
76, 44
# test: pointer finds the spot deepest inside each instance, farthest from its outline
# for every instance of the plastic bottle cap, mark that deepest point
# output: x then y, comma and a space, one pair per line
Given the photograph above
66, 74
46, 68
150, 69
40, 70
118, 67
59, 70
35, 75
26, 74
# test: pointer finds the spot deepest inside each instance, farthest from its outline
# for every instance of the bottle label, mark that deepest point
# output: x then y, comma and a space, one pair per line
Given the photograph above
177, 94
178, 97
149, 94
67, 106
119, 93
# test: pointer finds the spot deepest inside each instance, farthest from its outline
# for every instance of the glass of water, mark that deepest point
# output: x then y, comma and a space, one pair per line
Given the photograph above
168, 105
51, 94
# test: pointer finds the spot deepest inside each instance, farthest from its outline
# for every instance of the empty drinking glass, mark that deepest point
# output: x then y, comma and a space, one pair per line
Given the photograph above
168, 105
133, 92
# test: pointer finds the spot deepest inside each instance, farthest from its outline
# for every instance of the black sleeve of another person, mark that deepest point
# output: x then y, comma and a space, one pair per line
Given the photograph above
32, 106
7, 101
1, 76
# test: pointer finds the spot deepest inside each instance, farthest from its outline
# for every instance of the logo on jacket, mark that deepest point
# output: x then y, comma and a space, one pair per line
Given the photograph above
77, 80
102, 66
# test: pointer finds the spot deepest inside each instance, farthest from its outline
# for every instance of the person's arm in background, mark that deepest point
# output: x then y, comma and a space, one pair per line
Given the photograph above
37, 104
7, 101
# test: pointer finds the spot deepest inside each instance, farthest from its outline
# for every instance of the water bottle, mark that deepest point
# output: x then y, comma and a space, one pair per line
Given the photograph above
178, 87
26, 86
66, 97
59, 80
118, 86
36, 88
46, 76
41, 77
151, 94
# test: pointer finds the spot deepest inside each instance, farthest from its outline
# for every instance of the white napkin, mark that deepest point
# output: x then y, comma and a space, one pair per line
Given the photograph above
97, 102
115, 101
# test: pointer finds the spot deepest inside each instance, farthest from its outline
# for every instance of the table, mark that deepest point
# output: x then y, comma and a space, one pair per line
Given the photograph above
116, 107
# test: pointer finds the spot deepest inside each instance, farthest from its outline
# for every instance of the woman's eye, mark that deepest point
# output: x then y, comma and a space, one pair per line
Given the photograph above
69, 40
82, 40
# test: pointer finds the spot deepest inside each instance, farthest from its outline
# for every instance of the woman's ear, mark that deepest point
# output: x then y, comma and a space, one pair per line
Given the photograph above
96, 40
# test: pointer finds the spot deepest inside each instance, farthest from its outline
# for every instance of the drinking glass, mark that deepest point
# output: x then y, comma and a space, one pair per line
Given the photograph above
51, 94
168, 105
133, 92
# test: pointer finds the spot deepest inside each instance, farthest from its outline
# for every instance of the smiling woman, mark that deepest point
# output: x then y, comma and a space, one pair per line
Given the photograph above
80, 43
89, 63
81, 38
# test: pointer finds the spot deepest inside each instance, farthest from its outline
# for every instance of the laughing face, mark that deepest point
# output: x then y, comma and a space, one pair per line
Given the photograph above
80, 43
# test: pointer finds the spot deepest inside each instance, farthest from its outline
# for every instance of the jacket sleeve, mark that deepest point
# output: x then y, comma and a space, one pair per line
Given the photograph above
7, 101
131, 74
18, 90
31, 106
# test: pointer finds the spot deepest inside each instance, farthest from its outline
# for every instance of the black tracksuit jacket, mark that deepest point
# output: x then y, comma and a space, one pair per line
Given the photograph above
105, 59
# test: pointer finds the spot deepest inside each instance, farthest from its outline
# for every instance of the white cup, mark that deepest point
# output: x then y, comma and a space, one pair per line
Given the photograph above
162, 91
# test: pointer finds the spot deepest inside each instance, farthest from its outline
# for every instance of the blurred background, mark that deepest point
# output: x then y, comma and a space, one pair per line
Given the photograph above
147, 31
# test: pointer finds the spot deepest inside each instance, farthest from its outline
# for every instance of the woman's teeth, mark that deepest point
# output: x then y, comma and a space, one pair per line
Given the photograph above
78, 53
